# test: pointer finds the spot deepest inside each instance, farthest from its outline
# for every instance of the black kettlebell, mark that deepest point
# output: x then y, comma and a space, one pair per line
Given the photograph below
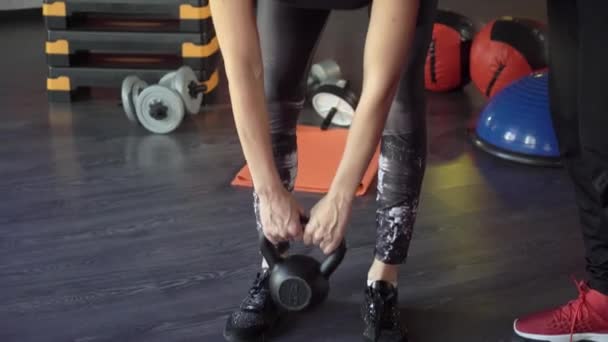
298, 282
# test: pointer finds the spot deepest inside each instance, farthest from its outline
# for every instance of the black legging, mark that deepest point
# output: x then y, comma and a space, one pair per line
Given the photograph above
577, 78
288, 38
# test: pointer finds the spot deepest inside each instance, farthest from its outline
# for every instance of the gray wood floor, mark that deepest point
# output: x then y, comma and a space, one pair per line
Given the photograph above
108, 233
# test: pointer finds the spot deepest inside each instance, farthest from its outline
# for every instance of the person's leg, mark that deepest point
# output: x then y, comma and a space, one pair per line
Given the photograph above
576, 55
593, 126
402, 165
402, 158
288, 37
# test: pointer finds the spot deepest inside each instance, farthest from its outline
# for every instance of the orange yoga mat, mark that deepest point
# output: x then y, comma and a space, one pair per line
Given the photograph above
319, 154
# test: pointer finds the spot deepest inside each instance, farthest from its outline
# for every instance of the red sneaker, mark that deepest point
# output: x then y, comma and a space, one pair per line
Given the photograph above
583, 319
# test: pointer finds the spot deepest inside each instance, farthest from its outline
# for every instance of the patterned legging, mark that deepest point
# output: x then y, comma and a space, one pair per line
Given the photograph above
288, 38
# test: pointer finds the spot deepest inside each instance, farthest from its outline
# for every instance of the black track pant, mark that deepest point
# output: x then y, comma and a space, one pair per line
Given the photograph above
579, 103
289, 37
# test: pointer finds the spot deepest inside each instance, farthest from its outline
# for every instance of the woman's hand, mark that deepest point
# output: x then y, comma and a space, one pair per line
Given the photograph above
327, 225
280, 216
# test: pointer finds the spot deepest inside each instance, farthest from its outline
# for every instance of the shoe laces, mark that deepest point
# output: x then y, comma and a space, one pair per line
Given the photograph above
257, 292
376, 305
573, 312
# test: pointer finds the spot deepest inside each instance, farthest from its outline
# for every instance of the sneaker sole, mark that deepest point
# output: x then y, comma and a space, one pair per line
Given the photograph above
591, 337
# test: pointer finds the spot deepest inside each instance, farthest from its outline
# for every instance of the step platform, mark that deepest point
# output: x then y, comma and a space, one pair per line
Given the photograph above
67, 84
78, 48
141, 15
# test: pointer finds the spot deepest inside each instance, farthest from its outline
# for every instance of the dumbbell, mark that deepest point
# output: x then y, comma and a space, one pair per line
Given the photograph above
132, 86
331, 96
335, 103
159, 109
167, 80
327, 71
187, 85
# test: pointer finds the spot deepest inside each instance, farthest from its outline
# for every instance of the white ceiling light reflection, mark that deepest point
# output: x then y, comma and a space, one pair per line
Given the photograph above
510, 136
530, 141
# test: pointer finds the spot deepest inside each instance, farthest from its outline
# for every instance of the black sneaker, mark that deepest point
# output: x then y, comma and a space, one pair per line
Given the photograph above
380, 313
256, 316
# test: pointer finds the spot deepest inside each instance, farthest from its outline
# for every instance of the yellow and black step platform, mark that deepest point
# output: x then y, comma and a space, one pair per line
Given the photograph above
127, 15
77, 48
63, 84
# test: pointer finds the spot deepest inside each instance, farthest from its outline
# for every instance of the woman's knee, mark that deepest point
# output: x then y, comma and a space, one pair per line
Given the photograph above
401, 168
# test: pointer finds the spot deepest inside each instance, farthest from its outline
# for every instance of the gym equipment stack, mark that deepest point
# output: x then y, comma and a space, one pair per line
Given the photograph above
99, 43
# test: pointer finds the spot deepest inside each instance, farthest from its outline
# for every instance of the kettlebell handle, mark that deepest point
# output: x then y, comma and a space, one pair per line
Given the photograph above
329, 265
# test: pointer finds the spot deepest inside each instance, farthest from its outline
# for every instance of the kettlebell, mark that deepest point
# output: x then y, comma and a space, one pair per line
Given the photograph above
298, 282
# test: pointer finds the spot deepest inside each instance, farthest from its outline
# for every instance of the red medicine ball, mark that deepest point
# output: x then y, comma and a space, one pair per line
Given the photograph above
447, 61
506, 50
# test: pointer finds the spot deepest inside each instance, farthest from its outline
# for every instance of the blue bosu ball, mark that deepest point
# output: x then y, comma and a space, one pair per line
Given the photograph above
516, 123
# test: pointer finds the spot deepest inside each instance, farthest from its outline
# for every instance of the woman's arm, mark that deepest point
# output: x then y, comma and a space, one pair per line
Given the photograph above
389, 38
236, 30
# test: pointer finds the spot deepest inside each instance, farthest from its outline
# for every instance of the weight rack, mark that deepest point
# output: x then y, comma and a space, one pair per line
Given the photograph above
97, 43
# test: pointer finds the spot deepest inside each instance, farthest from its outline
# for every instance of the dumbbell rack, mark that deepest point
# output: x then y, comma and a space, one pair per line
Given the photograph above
97, 43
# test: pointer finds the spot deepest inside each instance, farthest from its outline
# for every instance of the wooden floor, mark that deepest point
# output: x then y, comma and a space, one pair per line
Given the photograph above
108, 233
